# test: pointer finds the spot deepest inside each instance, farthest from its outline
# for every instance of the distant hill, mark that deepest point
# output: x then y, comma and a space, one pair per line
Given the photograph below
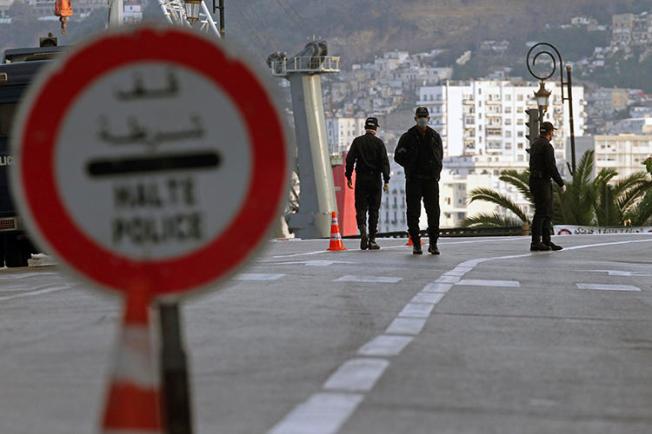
361, 29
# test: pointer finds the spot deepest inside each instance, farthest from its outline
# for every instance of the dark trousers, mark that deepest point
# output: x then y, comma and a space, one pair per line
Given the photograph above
368, 195
542, 192
428, 191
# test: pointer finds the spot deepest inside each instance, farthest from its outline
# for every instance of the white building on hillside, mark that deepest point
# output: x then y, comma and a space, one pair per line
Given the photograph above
462, 175
487, 118
624, 153
341, 132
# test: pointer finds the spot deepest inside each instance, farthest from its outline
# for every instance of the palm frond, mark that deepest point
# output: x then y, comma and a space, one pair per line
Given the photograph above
499, 199
520, 180
485, 220
641, 214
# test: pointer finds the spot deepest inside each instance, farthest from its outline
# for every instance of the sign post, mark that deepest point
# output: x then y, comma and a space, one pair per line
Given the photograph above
152, 162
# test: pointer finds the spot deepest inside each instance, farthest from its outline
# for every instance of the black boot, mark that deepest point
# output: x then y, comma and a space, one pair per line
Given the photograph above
416, 246
553, 246
364, 240
539, 247
432, 248
372, 241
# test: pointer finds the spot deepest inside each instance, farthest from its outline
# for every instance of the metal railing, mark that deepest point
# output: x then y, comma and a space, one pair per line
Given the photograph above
459, 232
312, 64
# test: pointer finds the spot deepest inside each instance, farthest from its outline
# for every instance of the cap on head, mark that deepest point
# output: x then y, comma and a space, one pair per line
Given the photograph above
371, 124
422, 112
546, 127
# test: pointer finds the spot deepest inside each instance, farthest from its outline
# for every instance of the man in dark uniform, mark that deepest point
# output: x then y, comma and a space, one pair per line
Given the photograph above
420, 152
542, 168
369, 155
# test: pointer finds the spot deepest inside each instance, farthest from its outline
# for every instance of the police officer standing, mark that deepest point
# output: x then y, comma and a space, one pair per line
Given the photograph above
542, 168
420, 152
369, 156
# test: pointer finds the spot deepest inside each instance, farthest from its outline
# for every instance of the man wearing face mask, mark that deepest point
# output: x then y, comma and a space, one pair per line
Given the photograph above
369, 156
542, 168
420, 152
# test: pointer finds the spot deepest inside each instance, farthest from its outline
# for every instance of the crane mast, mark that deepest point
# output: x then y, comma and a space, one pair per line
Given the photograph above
175, 13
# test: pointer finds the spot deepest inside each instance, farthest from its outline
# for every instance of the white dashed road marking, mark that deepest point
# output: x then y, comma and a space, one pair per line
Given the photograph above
257, 277
369, 279
357, 375
325, 413
495, 283
607, 287
428, 297
313, 263
406, 326
416, 310
322, 413
448, 279
37, 292
385, 345
619, 273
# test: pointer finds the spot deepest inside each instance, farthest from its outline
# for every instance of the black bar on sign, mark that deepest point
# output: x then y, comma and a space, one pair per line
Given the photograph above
153, 164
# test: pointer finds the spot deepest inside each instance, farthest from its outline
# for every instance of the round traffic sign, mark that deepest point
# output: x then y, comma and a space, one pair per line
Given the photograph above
150, 160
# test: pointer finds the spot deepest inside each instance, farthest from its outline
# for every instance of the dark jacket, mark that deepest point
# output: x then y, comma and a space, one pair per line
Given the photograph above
421, 156
542, 161
369, 155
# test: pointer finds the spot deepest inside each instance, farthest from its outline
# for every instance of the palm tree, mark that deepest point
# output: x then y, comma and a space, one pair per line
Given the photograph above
518, 216
588, 200
576, 205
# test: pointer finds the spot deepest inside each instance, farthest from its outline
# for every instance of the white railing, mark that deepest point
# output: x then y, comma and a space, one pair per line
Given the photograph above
175, 13
305, 64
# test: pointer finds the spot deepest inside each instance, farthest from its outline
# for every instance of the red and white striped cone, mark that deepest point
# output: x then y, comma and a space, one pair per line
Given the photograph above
336, 243
133, 405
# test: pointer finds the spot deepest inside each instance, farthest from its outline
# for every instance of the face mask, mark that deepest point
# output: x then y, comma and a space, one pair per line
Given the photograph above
422, 122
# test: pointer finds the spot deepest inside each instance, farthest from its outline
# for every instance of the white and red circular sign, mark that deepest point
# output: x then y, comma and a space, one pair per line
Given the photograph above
150, 160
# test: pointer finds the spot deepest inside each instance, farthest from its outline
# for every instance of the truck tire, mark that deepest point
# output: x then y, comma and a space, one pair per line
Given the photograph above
14, 252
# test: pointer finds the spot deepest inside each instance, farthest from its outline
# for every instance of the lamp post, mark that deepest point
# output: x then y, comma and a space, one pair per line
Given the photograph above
543, 95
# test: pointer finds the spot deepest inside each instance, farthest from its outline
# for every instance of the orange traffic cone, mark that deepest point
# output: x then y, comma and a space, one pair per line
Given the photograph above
133, 399
336, 244
409, 242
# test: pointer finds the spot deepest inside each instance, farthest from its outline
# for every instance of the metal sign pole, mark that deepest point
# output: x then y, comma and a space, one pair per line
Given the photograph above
175, 402
569, 82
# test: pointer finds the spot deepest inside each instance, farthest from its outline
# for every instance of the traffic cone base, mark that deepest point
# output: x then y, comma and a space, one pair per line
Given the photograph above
336, 244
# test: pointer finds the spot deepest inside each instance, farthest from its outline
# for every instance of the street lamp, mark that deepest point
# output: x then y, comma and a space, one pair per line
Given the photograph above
549, 50
543, 97
192, 10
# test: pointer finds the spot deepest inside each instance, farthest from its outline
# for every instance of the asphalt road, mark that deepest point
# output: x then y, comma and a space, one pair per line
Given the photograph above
486, 338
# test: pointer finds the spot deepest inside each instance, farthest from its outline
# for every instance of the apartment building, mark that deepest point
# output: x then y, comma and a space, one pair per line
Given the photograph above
487, 118
625, 153
340, 133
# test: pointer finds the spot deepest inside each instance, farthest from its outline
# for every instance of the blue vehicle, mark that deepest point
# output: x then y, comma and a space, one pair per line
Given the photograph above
18, 69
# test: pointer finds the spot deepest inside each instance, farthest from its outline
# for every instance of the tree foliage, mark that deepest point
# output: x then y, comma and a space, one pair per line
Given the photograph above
589, 199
